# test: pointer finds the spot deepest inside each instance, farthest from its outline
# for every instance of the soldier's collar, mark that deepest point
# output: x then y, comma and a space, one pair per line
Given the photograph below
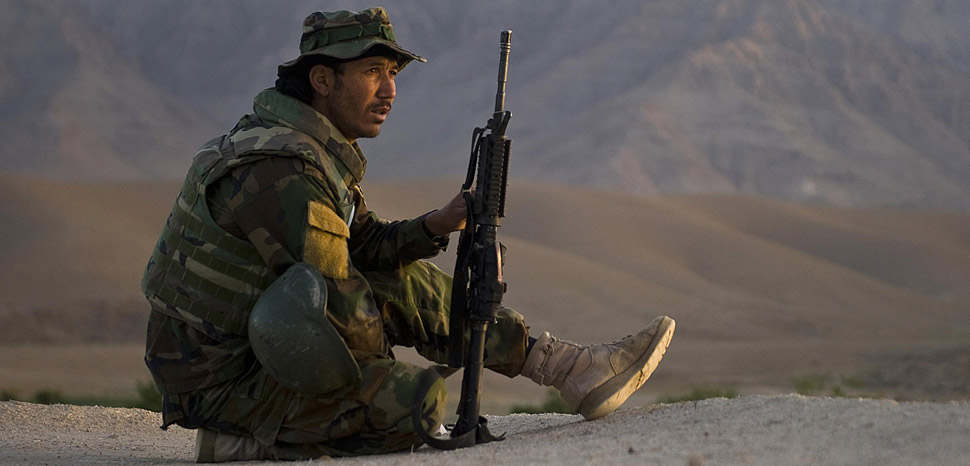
272, 106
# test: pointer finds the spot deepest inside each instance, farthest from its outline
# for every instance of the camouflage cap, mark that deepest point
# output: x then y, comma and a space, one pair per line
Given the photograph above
346, 35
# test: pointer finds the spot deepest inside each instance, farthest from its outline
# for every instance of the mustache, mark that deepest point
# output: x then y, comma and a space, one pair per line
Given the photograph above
383, 105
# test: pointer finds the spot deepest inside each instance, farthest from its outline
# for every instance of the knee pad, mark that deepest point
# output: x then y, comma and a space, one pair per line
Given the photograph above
294, 340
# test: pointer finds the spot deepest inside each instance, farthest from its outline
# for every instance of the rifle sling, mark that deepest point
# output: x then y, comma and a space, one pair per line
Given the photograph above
459, 290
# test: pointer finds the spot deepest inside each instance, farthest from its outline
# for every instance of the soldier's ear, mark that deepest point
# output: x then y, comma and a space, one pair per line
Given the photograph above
322, 79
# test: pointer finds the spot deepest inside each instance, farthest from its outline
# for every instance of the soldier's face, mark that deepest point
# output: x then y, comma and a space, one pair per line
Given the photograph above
361, 96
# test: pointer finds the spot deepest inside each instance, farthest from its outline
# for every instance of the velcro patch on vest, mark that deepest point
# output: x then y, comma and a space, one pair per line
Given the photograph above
325, 244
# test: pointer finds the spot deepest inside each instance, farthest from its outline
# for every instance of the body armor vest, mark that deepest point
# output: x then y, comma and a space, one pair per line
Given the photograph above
198, 272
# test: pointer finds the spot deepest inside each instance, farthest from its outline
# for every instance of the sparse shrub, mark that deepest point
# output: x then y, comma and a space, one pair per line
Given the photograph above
148, 397
49, 396
8, 395
553, 404
819, 384
810, 385
702, 393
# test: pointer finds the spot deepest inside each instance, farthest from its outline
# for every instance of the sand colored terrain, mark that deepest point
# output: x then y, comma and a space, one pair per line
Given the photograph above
753, 430
765, 293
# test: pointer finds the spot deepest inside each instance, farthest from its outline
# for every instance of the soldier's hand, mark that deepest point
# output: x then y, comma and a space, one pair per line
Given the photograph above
449, 218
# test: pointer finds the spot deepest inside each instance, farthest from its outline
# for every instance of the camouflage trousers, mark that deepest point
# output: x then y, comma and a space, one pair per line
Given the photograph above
374, 417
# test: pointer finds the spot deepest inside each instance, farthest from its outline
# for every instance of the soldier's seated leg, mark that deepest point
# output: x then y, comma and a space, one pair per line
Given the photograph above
382, 424
415, 307
372, 418
594, 380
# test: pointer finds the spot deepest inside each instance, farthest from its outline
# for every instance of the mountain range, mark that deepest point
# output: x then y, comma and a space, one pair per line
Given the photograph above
848, 103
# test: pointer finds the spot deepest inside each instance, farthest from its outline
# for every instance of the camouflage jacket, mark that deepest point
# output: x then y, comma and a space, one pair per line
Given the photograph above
281, 187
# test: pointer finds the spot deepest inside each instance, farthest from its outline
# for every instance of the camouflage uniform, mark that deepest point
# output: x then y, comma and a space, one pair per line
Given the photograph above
280, 188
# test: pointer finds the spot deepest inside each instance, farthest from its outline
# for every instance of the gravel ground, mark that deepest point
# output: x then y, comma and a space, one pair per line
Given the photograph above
753, 430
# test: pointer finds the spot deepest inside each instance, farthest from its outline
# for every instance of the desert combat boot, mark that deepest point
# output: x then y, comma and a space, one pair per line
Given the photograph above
595, 380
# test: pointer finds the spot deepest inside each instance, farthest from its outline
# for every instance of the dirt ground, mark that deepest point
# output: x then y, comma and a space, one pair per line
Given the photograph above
753, 430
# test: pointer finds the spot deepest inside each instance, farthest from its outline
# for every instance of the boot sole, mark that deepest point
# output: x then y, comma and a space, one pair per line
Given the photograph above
608, 397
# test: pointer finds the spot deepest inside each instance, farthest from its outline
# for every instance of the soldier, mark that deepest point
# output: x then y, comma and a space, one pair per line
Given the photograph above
270, 252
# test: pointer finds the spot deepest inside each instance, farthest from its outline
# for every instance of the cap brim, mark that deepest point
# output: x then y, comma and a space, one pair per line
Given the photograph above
348, 50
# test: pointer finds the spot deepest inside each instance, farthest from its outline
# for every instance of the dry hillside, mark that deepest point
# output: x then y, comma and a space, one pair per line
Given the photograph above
765, 293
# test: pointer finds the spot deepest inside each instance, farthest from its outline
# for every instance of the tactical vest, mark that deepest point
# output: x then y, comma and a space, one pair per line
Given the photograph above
198, 272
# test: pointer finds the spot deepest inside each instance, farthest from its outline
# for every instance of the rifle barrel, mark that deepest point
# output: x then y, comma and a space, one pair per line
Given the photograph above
503, 69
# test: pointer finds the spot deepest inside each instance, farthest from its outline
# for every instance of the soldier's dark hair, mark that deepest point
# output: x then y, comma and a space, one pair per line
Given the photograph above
296, 81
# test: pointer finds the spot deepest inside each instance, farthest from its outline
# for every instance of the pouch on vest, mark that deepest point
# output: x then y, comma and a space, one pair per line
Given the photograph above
325, 244
294, 340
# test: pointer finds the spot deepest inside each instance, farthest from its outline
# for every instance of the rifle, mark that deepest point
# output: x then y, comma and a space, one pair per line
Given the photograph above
477, 288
